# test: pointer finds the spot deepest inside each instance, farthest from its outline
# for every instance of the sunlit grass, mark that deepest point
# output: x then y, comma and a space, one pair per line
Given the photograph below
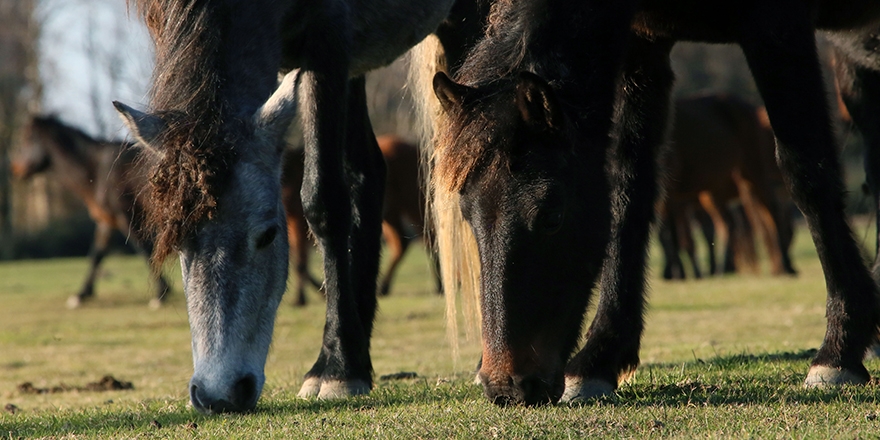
723, 357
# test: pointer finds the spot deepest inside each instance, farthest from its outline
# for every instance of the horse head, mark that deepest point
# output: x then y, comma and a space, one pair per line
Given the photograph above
33, 157
525, 181
235, 260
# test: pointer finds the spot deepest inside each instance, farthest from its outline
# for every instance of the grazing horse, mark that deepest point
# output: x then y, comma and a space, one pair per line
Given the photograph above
721, 150
103, 175
549, 143
403, 213
215, 131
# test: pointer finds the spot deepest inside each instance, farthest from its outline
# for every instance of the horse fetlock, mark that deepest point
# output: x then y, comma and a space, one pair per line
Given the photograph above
579, 390
823, 376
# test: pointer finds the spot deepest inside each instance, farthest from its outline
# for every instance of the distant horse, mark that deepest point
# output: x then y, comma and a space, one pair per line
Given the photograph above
216, 132
403, 215
103, 175
528, 125
722, 150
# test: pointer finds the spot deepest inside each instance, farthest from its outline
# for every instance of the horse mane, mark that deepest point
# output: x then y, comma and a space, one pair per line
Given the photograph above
187, 180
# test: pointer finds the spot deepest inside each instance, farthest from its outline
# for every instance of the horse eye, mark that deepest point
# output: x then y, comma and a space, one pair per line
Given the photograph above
267, 237
551, 222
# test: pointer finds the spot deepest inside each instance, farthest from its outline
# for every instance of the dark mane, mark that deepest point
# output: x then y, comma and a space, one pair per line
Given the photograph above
185, 183
493, 64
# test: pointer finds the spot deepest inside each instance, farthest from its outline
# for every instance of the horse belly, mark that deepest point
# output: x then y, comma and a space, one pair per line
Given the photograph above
386, 29
721, 21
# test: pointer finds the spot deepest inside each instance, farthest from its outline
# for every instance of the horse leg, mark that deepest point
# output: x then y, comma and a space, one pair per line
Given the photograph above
397, 243
611, 352
860, 91
367, 174
783, 59
721, 230
673, 269
708, 231
686, 242
335, 186
343, 366
96, 255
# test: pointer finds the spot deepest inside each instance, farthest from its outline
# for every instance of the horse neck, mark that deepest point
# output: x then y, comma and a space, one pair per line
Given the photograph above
228, 52
76, 158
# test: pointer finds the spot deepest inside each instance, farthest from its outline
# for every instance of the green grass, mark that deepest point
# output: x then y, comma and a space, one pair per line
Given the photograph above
720, 358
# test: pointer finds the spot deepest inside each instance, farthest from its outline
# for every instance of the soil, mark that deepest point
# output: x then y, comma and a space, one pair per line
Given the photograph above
107, 383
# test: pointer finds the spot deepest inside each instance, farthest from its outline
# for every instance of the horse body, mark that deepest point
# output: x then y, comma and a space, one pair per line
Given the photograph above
720, 148
102, 174
216, 178
540, 91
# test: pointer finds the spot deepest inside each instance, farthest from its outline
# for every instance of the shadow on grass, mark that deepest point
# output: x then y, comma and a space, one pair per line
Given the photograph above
158, 418
741, 379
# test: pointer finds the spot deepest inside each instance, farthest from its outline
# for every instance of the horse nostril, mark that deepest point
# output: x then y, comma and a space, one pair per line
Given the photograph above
245, 392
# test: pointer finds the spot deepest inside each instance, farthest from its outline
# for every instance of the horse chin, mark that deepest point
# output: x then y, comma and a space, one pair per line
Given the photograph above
529, 390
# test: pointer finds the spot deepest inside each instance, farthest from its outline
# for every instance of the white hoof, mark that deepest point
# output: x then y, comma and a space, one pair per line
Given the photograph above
338, 389
821, 375
579, 390
155, 304
310, 388
74, 302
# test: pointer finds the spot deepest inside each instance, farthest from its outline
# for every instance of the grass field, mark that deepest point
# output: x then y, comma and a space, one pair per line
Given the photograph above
720, 358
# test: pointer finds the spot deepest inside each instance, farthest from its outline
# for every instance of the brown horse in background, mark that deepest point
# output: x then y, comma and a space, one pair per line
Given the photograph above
101, 173
722, 152
403, 214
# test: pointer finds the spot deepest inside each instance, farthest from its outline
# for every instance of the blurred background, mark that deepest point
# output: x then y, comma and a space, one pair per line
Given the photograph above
71, 58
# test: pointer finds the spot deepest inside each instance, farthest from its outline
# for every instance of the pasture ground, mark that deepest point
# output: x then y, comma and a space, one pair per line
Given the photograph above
721, 358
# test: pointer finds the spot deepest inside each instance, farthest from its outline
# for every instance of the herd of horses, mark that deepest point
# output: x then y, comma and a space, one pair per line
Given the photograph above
547, 119
722, 173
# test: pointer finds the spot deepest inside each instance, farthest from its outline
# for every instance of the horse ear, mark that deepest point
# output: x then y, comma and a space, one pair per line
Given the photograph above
450, 93
274, 117
537, 102
145, 127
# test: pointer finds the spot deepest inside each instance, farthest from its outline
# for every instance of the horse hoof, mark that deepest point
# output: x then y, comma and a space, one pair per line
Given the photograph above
155, 304
337, 389
310, 388
74, 302
822, 375
579, 391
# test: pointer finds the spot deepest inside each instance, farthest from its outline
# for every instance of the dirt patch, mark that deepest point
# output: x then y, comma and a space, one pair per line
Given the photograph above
107, 383
399, 376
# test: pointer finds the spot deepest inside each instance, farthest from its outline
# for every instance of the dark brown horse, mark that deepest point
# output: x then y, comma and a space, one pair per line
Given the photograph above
525, 150
721, 151
103, 175
403, 215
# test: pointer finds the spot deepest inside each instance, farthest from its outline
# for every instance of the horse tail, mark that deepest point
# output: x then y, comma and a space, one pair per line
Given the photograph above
447, 230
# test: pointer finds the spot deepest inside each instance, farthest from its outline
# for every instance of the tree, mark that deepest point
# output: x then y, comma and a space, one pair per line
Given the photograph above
19, 85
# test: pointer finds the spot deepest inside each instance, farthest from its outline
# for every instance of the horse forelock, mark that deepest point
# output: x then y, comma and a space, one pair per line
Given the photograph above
478, 136
187, 181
